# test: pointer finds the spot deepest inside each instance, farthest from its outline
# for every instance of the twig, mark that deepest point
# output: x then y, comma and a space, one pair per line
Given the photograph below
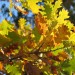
38, 52
20, 9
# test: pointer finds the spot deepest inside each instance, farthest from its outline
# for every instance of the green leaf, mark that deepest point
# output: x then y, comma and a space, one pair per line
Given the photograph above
14, 36
4, 40
58, 49
47, 10
72, 63
37, 35
68, 66
13, 70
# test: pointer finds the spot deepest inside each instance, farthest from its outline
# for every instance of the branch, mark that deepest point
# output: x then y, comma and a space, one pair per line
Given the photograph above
38, 52
20, 9
35, 52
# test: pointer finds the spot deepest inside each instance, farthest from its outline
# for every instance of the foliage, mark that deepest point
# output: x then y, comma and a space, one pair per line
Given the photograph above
70, 6
48, 48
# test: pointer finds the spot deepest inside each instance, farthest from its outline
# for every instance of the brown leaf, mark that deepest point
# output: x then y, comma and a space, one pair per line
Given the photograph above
30, 43
32, 69
54, 70
3, 57
61, 34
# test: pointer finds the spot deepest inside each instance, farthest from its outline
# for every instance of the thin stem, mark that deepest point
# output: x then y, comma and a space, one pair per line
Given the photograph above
38, 52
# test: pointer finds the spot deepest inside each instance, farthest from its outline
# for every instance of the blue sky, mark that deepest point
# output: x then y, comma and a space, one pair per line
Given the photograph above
7, 5
4, 15
1, 10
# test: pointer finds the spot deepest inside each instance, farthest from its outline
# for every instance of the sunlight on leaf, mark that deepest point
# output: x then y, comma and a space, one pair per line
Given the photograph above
1, 66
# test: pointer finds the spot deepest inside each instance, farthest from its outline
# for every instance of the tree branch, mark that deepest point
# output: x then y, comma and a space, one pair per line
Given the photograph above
38, 52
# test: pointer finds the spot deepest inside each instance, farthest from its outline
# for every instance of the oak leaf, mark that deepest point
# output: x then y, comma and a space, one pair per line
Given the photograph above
32, 69
1, 66
41, 24
61, 34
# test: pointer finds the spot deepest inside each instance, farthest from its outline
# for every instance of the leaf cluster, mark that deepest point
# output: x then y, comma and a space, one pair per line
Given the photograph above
48, 48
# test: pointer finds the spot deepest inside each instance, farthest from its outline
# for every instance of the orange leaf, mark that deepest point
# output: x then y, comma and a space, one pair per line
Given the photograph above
30, 43
62, 33
1, 66
41, 24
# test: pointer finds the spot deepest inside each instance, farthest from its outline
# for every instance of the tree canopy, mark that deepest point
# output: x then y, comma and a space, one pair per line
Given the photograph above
45, 46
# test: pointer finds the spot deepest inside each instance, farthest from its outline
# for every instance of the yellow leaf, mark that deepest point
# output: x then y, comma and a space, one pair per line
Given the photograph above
62, 16
33, 6
57, 5
21, 23
72, 37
